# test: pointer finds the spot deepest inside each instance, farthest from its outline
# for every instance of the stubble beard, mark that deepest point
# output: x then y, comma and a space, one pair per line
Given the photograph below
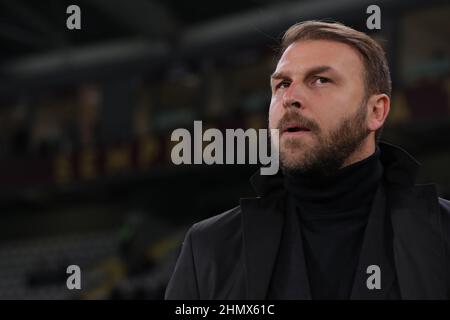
328, 153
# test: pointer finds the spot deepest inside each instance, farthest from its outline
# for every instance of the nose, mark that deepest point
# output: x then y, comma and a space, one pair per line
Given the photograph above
291, 97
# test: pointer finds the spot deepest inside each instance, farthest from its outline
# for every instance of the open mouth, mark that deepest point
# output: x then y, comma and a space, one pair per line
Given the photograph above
295, 129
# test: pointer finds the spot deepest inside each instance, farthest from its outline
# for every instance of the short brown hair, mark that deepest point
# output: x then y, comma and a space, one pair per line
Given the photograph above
376, 73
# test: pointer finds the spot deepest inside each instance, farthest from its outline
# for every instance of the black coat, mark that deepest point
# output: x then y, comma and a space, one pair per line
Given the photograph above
236, 254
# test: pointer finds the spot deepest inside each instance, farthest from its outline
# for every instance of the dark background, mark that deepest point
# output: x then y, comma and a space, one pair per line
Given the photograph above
86, 117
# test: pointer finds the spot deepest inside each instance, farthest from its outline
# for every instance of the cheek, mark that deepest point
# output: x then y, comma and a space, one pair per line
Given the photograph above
329, 125
330, 110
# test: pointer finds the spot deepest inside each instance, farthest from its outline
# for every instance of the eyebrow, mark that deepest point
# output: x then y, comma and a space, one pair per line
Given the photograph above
310, 72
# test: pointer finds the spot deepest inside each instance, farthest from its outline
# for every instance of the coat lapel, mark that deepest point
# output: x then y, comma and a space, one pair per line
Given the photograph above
376, 250
262, 223
262, 227
290, 275
419, 250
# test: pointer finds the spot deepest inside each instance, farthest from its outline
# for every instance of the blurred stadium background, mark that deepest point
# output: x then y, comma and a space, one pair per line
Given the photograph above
86, 117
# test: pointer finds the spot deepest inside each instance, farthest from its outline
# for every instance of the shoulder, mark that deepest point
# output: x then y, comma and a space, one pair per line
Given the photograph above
218, 227
444, 206
212, 239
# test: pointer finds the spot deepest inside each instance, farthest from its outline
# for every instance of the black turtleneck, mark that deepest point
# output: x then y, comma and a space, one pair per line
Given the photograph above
333, 213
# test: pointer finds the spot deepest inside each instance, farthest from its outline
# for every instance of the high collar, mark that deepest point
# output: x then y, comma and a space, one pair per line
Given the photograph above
399, 169
336, 193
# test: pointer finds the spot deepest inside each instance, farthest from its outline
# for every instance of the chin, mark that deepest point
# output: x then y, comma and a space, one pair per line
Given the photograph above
292, 160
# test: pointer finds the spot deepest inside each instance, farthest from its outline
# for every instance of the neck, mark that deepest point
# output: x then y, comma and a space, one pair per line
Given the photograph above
351, 187
365, 150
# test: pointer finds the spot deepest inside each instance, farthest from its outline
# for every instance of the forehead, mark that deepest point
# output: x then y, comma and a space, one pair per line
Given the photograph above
302, 55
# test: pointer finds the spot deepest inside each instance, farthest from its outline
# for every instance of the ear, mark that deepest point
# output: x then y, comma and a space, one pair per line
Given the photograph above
378, 110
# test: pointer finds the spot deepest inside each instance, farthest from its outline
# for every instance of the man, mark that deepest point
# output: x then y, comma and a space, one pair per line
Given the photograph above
343, 219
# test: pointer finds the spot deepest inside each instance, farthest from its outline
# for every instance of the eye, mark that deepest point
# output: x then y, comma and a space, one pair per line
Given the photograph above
282, 84
321, 80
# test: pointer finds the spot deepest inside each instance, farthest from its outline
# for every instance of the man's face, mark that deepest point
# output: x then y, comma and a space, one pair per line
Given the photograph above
319, 105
